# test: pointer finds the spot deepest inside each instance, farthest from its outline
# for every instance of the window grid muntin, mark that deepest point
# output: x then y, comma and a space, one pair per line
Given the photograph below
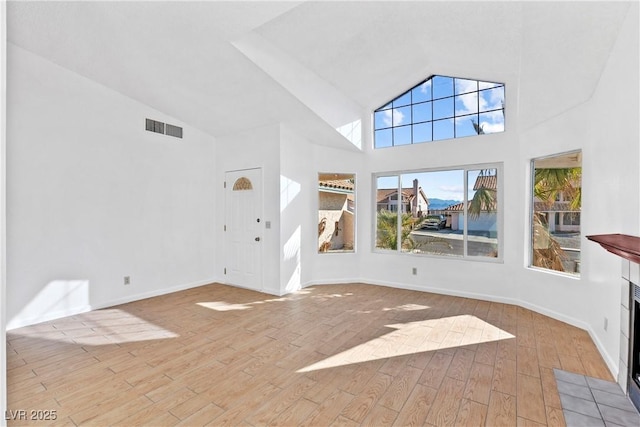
482, 87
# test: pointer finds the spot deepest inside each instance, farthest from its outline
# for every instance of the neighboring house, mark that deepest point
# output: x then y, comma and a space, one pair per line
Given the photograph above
335, 215
412, 200
487, 219
559, 216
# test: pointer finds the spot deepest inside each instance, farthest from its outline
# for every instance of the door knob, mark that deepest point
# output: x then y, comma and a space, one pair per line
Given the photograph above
257, 239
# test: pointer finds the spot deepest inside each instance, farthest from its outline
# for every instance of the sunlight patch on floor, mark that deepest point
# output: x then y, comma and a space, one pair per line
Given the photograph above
118, 326
226, 306
407, 307
417, 337
101, 327
223, 306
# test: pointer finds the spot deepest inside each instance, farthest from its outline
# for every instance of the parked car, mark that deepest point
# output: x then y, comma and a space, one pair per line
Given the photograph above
435, 221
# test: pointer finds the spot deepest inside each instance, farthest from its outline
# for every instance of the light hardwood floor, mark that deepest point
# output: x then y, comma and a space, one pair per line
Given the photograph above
342, 355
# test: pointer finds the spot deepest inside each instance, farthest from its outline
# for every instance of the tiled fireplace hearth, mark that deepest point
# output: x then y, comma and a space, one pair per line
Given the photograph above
627, 247
630, 289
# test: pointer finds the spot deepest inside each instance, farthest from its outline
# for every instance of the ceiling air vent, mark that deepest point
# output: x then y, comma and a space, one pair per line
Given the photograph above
159, 127
174, 131
154, 126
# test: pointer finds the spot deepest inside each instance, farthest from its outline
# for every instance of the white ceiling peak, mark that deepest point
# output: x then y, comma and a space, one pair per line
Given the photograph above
199, 61
319, 96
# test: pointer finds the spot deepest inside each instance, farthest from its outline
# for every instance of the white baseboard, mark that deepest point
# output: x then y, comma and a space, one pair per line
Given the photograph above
151, 294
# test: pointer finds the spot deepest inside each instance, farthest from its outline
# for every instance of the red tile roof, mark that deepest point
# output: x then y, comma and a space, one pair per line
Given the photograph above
343, 184
486, 181
384, 193
407, 194
455, 208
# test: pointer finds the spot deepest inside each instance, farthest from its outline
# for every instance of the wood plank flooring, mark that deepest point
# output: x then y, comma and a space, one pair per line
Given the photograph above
334, 355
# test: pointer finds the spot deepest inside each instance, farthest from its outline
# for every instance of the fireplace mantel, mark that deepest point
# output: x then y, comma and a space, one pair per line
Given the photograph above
623, 245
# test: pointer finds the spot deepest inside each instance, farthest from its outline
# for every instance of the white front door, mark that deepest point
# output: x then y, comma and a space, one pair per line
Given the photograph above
243, 228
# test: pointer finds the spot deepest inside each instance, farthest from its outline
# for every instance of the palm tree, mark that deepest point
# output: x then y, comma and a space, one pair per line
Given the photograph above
549, 183
387, 236
477, 127
484, 198
547, 252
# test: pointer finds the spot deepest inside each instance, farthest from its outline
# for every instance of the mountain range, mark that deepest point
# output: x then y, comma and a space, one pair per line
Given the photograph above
437, 204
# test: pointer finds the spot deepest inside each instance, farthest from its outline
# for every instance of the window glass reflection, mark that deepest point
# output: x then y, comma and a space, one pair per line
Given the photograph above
421, 112
442, 108
466, 104
402, 135
422, 92
422, 132
443, 129
466, 86
402, 100
442, 87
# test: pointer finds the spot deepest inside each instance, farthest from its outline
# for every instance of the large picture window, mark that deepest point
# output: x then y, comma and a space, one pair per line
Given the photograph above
453, 212
440, 108
555, 214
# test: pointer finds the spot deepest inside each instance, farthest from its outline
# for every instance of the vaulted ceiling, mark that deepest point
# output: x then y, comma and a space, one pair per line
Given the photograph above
227, 66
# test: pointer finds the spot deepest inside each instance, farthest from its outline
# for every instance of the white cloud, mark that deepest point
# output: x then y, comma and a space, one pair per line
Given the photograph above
451, 188
469, 103
492, 127
493, 117
492, 99
464, 86
492, 122
393, 119
386, 118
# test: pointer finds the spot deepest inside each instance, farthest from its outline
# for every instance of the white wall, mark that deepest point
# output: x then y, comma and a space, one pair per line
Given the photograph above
298, 193
336, 267
93, 197
3, 293
300, 162
484, 222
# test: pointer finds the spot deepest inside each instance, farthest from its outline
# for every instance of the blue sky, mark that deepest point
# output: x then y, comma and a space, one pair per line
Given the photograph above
448, 185
419, 116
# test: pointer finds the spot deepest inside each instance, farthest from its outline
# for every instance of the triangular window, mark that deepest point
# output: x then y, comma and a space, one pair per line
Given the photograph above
440, 108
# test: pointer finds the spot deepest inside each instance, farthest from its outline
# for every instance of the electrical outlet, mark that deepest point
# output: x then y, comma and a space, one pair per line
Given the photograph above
127, 280
414, 271
606, 323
